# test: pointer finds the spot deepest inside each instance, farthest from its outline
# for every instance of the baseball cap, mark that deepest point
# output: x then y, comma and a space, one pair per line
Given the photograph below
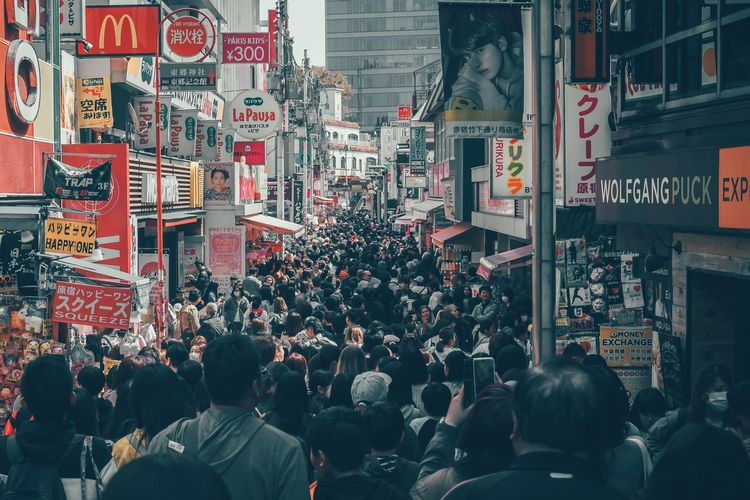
370, 387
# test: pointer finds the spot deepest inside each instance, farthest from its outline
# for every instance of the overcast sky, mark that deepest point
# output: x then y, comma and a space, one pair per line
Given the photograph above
306, 26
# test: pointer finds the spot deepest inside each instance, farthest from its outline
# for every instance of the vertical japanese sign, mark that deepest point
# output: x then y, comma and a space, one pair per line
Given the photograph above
297, 202
587, 137
589, 58
404, 113
273, 33
93, 305
418, 151
95, 103
183, 126
483, 69
225, 145
449, 200
558, 125
149, 121
73, 18
207, 140
511, 168
225, 251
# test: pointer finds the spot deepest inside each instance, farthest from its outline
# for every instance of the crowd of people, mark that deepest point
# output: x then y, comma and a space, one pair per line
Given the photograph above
340, 371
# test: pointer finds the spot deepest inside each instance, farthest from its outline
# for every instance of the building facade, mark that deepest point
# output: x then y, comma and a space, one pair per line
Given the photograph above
378, 44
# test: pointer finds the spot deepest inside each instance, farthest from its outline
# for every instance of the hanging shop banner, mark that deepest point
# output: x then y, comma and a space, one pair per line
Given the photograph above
219, 183
95, 103
73, 18
71, 183
254, 152
418, 151
404, 113
449, 200
588, 56
183, 126
626, 346
225, 145
148, 122
297, 202
245, 48
484, 92
69, 237
148, 267
187, 76
207, 140
127, 30
254, 114
587, 137
100, 306
225, 249
273, 33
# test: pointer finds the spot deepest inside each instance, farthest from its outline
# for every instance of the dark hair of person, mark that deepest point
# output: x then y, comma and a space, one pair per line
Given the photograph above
384, 426
574, 350
738, 398
699, 462
191, 371
294, 324
510, 357
290, 404
705, 378
297, 362
194, 296
436, 371
325, 359
594, 360
352, 361
266, 349
121, 417
83, 413
648, 401
613, 406
127, 369
436, 398
338, 432
318, 379
485, 288
221, 171
556, 405
231, 365
415, 365
341, 391
485, 435
498, 342
372, 340
446, 335
353, 316
378, 352
177, 354
399, 390
92, 379
470, 34
166, 476
454, 366
159, 397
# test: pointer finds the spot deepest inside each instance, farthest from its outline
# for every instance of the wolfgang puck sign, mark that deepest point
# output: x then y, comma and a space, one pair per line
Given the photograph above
254, 115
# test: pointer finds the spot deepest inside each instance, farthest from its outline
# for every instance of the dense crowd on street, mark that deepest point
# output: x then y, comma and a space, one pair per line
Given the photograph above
337, 371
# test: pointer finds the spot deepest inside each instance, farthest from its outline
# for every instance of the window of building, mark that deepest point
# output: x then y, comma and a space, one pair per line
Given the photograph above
335, 135
343, 163
371, 161
353, 137
360, 165
333, 162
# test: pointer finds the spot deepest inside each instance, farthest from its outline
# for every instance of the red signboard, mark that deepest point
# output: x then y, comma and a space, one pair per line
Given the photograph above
254, 152
588, 41
121, 31
186, 36
245, 48
404, 113
273, 32
93, 305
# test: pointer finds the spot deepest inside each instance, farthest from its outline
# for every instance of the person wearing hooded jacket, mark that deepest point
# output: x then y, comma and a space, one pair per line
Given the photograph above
254, 459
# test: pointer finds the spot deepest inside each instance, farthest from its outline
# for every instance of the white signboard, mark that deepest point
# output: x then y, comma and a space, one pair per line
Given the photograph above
148, 121
73, 18
207, 140
183, 126
254, 115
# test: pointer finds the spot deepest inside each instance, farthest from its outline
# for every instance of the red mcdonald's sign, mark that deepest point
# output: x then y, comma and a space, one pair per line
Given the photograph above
130, 30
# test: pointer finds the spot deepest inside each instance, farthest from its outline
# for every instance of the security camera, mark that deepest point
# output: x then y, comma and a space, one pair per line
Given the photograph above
87, 46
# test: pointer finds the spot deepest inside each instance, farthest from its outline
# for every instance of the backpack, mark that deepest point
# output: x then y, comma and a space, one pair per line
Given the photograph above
34, 481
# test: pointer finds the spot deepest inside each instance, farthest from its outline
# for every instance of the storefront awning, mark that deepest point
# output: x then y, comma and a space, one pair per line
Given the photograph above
268, 223
172, 219
404, 220
459, 233
321, 200
512, 258
426, 207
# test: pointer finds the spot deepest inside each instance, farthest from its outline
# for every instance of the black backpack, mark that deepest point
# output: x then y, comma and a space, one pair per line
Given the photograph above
29, 480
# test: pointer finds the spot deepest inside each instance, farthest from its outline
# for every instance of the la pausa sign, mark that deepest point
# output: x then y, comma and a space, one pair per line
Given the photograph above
254, 115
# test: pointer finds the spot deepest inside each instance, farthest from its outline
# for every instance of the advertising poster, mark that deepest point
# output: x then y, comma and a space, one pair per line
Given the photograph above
219, 183
68, 115
148, 268
626, 346
100, 306
225, 253
183, 126
449, 201
511, 167
149, 122
95, 102
207, 140
193, 251
634, 379
657, 297
483, 75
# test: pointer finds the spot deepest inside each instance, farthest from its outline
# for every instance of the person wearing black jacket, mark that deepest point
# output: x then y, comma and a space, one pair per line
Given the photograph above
212, 327
555, 410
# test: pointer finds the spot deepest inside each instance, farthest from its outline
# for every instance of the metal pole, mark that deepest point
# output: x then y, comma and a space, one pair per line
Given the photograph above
161, 310
543, 200
280, 167
305, 180
53, 28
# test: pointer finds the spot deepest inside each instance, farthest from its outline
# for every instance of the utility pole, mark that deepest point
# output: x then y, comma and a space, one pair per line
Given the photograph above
543, 198
306, 184
280, 167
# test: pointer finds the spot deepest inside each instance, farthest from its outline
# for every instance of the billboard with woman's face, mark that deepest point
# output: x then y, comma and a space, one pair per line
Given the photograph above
482, 49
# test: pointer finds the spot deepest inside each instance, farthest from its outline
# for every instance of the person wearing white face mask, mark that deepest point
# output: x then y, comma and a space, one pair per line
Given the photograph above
708, 404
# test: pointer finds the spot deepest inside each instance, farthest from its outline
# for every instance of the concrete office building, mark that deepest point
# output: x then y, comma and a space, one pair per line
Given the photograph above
378, 44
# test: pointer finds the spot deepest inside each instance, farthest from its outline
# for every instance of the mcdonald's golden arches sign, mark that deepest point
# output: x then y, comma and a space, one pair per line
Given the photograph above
124, 30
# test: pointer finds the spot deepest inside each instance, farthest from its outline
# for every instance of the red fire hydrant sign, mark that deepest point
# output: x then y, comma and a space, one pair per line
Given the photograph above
93, 305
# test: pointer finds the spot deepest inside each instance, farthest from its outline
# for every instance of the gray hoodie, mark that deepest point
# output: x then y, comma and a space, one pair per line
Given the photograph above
254, 459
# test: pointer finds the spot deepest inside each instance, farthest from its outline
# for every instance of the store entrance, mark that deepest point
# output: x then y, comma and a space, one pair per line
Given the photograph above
718, 329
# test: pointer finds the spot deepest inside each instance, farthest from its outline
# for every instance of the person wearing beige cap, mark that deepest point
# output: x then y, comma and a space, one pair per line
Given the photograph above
369, 388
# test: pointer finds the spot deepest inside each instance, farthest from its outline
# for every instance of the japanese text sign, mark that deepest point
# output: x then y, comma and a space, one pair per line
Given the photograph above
93, 305
186, 36
254, 115
95, 102
404, 113
588, 41
71, 237
418, 150
511, 168
254, 152
130, 30
187, 76
245, 48
626, 346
